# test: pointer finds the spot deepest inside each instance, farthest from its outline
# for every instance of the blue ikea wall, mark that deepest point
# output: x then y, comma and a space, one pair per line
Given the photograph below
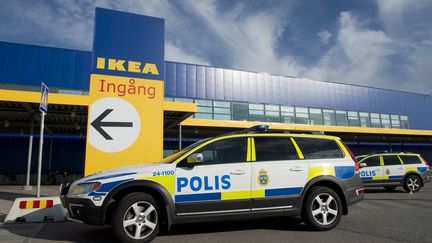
70, 69
195, 81
30, 65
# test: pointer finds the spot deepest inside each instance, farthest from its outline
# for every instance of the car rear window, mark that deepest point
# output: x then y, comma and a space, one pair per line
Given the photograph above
391, 160
274, 148
410, 159
319, 148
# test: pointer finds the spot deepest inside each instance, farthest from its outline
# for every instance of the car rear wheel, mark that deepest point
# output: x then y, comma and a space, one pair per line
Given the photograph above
412, 183
323, 209
390, 188
136, 219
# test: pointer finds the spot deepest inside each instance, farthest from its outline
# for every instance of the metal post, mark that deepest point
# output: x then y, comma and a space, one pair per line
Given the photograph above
27, 186
40, 154
180, 136
50, 154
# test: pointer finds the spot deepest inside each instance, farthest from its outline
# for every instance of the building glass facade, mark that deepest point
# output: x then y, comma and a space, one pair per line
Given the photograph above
242, 111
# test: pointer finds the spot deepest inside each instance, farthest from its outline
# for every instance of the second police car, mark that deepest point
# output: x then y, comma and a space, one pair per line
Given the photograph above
390, 170
222, 178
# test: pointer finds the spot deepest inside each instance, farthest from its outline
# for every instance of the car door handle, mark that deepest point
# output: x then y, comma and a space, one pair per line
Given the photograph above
400, 168
296, 169
237, 172
378, 169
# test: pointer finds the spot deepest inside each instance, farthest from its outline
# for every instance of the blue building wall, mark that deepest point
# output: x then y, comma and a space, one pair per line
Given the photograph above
194, 81
30, 65
70, 69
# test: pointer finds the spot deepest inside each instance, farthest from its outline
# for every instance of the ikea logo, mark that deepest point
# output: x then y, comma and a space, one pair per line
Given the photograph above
126, 66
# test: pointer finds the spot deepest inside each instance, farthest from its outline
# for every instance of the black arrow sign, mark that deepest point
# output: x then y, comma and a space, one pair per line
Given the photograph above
98, 124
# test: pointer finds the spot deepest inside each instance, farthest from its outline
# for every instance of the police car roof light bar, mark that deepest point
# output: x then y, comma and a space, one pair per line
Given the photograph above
254, 129
257, 128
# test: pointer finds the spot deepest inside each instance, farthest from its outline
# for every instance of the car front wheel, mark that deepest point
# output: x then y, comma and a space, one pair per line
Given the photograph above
323, 209
136, 219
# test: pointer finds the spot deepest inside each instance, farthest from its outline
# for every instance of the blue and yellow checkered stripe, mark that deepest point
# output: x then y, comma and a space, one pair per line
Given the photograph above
420, 169
218, 196
341, 172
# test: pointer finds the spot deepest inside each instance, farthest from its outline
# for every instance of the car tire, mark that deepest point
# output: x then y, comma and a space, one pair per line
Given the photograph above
136, 219
322, 209
390, 188
412, 183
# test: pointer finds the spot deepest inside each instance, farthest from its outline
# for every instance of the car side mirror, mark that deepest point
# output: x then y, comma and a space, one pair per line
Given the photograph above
362, 165
195, 159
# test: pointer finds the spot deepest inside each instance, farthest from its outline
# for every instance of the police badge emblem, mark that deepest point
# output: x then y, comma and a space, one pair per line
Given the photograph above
263, 178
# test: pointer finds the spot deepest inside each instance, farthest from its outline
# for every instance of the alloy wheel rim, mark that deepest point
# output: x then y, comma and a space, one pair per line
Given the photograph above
324, 209
140, 220
413, 184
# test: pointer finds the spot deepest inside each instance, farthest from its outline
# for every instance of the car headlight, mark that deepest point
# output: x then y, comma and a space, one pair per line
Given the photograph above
84, 188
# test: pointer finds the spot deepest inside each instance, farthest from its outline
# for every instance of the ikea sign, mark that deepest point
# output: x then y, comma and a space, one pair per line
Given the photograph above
126, 66
129, 45
126, 91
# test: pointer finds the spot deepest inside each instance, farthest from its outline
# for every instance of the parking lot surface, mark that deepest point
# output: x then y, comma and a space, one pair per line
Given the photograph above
381, 217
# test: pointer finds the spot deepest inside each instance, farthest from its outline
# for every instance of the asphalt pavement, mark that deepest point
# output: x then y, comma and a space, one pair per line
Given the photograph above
381, 217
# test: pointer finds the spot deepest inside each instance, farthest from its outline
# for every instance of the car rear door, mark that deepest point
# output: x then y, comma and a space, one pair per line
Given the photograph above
393, 169
220, 184
278, 172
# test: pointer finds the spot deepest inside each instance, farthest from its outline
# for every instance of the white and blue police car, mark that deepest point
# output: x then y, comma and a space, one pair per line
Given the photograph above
390, 170
234, 176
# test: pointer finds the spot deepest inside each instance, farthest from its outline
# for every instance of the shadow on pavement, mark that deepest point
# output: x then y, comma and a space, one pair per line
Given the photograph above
61, 231
76, 232
280, 223
382, 190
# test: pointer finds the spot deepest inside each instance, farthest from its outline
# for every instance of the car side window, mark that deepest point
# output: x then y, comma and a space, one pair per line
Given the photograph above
274, 149
391, 160
225, 151
372, 161
319, 148
410, 159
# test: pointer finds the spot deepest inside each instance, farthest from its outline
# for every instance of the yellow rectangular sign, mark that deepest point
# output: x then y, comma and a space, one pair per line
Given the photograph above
125, 122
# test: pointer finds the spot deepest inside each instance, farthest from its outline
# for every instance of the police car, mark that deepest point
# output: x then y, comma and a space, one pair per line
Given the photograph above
390, 170
234, 176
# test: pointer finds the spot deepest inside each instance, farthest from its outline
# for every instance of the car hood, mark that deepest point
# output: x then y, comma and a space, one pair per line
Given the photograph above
124, 173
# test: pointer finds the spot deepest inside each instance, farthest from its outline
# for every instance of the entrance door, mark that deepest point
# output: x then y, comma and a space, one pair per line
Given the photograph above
220, 184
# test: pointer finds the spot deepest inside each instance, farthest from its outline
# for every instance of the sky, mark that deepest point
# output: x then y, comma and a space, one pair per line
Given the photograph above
377, 43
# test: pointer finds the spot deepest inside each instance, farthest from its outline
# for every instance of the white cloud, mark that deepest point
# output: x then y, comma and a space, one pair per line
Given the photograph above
359, 55
43, 24
324, 36
411, 27
249, 40
176, 54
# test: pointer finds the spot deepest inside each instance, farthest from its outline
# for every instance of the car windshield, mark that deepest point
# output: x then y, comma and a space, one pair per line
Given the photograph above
173, 157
